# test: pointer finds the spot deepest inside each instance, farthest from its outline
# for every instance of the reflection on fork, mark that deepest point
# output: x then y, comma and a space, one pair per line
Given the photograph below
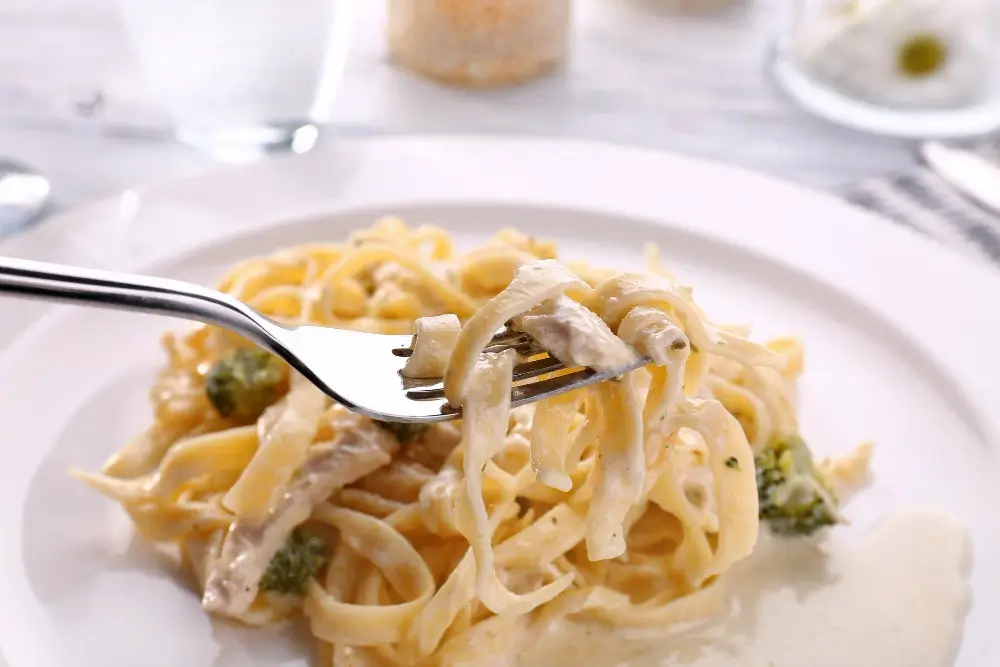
24, 194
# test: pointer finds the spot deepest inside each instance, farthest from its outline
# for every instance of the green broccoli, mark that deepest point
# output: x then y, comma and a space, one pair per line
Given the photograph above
295, 563
404, 432
794, 498
243, 384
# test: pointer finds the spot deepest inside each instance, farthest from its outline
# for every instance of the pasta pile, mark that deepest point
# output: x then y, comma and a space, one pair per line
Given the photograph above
623, 504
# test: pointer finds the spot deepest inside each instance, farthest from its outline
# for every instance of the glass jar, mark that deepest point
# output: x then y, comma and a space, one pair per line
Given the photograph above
905, 68
479, 43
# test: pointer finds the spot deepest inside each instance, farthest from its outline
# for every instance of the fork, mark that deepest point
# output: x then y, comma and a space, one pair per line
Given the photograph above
357, 369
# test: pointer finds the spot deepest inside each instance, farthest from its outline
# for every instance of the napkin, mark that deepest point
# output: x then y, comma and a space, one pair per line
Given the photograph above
920, 200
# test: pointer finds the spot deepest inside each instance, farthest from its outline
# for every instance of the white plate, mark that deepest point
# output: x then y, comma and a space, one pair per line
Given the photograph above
900, 350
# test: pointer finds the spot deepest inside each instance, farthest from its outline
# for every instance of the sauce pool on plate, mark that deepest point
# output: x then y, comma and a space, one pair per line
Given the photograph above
898, 596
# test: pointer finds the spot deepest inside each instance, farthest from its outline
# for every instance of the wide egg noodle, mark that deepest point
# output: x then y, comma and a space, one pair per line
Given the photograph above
485, 411
550, 431
341, 622
434, 339
620, 470
285, 431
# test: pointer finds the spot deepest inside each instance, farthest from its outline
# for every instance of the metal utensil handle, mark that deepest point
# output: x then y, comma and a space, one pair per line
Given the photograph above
123, 291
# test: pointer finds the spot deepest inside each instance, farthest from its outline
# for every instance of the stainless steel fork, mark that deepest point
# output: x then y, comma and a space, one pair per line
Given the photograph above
358, 370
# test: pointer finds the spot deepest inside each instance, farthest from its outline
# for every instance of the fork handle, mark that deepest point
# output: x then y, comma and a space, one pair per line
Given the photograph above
133, 292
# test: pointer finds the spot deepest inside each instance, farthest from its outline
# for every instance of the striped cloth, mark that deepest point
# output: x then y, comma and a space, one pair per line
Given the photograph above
920, 200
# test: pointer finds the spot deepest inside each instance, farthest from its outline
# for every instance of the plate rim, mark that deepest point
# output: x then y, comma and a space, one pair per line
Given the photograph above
450, 141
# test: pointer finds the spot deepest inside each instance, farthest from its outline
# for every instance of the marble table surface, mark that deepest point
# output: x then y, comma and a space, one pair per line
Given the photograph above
73, 104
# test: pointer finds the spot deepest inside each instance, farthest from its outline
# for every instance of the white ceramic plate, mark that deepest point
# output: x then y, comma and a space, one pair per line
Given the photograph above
901, 350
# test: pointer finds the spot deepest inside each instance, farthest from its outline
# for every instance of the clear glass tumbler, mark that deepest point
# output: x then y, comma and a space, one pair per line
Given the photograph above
904, 68
243, 77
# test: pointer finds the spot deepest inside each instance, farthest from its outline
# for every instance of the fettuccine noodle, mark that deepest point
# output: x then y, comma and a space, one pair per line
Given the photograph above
625, 503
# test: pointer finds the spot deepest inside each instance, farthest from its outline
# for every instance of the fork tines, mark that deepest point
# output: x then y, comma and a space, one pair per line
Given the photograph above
505, 339
527, 348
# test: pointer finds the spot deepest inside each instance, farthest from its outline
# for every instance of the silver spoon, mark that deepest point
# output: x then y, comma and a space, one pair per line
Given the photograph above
23, 196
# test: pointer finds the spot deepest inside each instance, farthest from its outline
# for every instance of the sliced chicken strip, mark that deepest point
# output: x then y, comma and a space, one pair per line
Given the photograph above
358, 449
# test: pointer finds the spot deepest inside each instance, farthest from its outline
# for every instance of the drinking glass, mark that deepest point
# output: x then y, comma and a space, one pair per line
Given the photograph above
904, 68
243, 77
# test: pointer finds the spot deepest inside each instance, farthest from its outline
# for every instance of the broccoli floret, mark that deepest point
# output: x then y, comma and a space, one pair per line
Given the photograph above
296, 563
403, 431
794, 498
243, 384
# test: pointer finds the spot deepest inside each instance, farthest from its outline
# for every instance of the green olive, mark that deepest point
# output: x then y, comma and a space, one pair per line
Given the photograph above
921, 55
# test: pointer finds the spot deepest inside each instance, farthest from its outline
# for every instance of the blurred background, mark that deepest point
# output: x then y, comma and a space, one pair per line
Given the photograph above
100, 95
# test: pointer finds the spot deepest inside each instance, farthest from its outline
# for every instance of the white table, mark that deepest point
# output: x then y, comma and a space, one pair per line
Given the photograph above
690, 84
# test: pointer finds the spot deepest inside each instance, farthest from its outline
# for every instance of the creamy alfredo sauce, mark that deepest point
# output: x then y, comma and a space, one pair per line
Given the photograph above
896, 597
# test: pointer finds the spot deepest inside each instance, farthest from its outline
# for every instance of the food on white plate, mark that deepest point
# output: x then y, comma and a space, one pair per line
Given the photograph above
516, 536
